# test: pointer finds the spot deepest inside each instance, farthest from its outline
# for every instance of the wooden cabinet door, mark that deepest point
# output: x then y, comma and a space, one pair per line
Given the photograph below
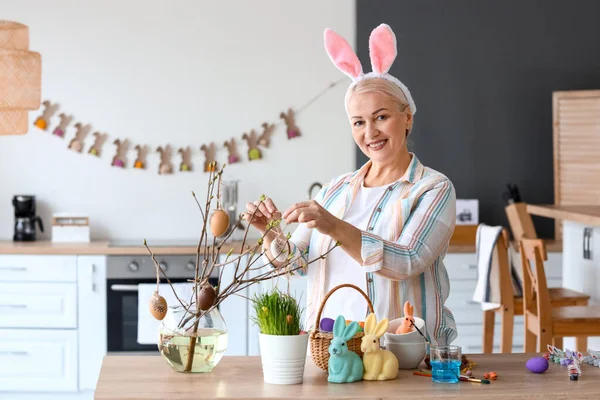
576, 120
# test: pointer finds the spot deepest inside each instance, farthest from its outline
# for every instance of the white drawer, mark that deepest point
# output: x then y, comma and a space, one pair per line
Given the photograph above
33, 360
38, 268
38, 305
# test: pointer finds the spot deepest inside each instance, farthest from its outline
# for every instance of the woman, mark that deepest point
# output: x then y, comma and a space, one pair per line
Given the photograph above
393, 217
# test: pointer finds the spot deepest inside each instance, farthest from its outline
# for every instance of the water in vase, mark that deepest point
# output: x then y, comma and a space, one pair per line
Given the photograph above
210, 347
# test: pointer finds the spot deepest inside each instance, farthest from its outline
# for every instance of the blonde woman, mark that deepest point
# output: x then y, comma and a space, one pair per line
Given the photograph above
393, 217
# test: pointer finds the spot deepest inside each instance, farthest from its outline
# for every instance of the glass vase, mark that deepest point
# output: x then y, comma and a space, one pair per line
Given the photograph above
191, 344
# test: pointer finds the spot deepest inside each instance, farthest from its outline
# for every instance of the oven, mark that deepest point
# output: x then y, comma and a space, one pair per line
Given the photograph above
123, 275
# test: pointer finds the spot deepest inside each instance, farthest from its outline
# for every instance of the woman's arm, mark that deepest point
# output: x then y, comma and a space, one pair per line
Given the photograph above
427, 231
423, 237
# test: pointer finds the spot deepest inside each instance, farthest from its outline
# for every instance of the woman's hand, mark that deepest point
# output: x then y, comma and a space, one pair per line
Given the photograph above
258, 214
313, 215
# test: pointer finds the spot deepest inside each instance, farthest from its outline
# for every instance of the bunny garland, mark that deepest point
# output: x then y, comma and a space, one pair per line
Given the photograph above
382, 52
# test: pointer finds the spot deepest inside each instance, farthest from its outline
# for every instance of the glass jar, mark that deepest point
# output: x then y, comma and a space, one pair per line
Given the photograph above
190, 344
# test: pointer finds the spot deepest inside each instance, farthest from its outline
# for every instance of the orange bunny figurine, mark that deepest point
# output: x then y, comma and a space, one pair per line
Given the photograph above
406, 326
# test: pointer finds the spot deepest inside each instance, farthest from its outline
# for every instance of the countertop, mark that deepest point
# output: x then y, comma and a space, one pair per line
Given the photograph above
104, 247
583, 214
150, 377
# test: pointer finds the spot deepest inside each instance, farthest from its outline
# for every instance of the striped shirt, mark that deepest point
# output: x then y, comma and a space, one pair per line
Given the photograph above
402, 247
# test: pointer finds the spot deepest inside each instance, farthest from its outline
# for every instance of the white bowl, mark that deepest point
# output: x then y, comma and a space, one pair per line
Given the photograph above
410, 337
409, 355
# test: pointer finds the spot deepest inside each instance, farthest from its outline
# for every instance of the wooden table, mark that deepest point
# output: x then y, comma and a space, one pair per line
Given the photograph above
150, 377
583, 214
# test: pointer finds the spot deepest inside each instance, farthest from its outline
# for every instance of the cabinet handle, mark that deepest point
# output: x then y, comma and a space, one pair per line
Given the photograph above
470, 302
13, 305
471, 266
586, 243
14, 353
20, 269
93, 280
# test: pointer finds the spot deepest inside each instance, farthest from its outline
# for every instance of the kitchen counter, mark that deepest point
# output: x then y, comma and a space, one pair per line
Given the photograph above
101, 247
583, 214
150, 377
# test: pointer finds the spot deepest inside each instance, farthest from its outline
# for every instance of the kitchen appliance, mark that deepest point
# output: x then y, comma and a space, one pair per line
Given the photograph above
123, 274
70, 228
25, 218
229, 201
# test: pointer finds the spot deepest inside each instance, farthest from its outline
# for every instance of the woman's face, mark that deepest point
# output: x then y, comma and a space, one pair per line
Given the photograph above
378, 125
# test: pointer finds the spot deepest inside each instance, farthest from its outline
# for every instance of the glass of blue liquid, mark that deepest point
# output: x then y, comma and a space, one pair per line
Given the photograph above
445, 363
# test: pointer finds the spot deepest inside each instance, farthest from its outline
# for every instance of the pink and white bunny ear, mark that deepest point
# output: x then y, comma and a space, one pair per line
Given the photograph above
382, 48
342, 55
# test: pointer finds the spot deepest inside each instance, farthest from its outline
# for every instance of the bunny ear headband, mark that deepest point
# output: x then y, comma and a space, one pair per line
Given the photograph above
382, 51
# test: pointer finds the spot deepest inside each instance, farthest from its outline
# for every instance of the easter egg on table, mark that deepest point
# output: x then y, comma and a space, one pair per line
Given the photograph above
326, 325
537, 365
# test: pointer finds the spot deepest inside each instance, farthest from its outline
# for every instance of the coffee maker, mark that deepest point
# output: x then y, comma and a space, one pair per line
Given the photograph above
25, 218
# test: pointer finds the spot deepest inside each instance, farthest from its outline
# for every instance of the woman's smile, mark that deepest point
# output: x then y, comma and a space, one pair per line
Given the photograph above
377, 145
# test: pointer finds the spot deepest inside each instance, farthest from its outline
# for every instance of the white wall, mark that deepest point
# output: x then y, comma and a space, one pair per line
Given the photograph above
179, 73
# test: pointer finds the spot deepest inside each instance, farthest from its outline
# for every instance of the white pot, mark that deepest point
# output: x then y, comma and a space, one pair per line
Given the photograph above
283, 358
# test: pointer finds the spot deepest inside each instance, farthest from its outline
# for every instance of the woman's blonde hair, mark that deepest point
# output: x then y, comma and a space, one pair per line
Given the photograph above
382, 86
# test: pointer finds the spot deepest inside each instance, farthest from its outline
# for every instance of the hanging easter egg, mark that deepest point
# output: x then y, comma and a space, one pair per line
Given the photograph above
326, 325
206, 297
537, 365
279, 250
219, 222
158, 306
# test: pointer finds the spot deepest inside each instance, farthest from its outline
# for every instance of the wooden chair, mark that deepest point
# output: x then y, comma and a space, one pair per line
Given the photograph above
512, 305
545, 324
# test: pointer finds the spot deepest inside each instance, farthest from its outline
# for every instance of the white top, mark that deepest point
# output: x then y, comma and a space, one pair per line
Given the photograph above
341, 268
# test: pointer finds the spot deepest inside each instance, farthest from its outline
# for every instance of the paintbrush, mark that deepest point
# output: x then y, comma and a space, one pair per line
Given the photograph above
420, 333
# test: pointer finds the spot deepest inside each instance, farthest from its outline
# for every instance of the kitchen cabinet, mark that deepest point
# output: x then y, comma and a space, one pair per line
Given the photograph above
91, 332
581, 258
462, 272
38, 305
52, 323
38, 360
234, 310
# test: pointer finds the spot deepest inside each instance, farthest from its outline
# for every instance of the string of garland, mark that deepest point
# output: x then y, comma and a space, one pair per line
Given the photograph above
256, 142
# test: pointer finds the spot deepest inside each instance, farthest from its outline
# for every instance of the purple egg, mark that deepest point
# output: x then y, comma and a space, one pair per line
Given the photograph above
326, 325
537, 365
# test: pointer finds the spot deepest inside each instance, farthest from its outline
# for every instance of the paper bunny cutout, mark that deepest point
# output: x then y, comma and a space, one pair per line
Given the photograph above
99, 140
140, 161
344, 365
406, 326
165, 166
76, 144
209, 157
233, 156
65, 120
120, 158
382, 51
254, 152
43, 121
379, 365
264, 139
186, 161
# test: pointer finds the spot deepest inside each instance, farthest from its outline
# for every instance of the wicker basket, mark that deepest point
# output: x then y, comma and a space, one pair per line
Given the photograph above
319, 341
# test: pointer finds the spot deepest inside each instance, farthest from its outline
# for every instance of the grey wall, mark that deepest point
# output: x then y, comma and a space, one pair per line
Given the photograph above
482, 74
